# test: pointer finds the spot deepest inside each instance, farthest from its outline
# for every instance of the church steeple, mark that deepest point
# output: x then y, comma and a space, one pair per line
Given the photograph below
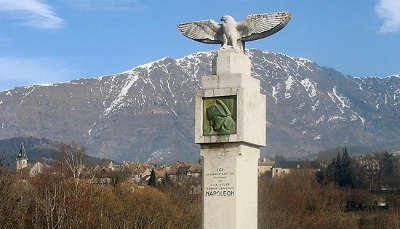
22, 159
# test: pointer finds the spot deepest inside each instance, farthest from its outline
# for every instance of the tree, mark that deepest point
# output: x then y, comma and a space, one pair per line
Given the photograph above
385, 174
73, 158
370, 167
345, 178
152, 180
340, 171
167, 180
387, 163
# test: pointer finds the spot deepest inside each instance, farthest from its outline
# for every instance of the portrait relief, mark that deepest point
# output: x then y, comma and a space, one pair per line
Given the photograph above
219, 115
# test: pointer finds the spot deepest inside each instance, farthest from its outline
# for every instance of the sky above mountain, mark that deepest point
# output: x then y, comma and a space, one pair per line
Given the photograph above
43, 41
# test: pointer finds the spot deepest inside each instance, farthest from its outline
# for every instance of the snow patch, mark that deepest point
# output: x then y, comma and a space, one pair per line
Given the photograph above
394, 76
300, 61
318, 137
293, 121
195, 56
147, 66
336, 117
360, 87
274, 93
90, 132
157, 156
44, 85
361, 118
303, 60
344, 101
309, 86
314, 107
1, 102
118, 102
339, 101
289, 82
321, 119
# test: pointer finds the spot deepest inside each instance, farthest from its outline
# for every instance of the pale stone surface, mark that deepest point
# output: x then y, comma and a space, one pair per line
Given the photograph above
229, 62
230, 161
230, 81
233, 78
251, 116
229, 185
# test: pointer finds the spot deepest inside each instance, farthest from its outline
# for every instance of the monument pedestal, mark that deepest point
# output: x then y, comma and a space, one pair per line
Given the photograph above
230, 126
229, 185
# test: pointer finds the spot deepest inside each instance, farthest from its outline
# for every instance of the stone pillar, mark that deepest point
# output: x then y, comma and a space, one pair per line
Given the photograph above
230, 126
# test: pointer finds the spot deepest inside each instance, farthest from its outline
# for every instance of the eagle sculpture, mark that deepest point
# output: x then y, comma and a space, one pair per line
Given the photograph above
234, 34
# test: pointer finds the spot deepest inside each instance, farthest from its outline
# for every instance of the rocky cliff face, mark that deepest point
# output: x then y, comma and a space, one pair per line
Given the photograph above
147, 113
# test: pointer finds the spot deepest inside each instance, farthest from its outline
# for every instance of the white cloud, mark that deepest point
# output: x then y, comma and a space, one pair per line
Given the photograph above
33, 70
389, 11
33, 13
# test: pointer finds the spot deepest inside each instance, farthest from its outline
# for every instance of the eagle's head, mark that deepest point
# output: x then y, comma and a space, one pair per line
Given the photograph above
227, 18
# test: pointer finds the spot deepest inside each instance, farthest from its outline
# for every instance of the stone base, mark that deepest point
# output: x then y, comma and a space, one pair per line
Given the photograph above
229, 185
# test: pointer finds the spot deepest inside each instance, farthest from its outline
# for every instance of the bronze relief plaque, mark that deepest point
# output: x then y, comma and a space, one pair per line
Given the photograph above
219, 115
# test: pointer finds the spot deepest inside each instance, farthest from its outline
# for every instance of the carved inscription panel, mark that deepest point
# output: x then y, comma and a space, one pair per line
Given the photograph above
220, 183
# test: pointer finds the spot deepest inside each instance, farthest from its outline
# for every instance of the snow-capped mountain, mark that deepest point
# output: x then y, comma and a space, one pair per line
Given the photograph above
147, 113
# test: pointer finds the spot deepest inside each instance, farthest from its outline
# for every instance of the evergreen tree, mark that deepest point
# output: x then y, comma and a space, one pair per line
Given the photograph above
338, 168
387, 162
345, 178
331, 172
152, 180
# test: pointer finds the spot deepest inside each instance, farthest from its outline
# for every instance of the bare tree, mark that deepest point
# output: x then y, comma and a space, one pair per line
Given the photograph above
370, 165
73, 158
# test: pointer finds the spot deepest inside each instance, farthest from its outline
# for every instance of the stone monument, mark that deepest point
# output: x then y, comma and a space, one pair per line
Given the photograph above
230, 119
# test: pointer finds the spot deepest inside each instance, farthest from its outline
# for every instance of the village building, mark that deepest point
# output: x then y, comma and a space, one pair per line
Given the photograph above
37, 168
282, 168
23, 167
265, 166
22, 159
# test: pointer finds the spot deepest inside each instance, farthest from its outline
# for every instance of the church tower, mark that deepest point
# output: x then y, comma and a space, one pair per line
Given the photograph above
22, 159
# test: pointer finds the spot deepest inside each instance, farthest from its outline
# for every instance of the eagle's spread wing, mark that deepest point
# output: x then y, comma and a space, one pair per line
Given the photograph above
207, 31
262, 25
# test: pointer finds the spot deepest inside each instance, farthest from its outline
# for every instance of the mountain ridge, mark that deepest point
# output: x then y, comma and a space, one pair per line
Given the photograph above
147, 112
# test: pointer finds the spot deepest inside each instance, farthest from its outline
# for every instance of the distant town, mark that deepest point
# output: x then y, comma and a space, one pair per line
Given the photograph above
366, 185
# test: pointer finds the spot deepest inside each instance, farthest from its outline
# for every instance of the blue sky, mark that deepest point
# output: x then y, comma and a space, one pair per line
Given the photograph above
44, 41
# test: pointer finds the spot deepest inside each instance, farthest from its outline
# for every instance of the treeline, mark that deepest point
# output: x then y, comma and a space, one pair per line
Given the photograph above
37, 149
64, 196
359, 191
375, 171
298, 200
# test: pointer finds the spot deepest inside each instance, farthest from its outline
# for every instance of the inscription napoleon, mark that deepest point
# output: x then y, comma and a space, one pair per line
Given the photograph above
219, 115
220, 183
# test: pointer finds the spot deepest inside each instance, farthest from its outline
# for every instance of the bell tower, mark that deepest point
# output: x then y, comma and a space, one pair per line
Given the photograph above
22, 159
